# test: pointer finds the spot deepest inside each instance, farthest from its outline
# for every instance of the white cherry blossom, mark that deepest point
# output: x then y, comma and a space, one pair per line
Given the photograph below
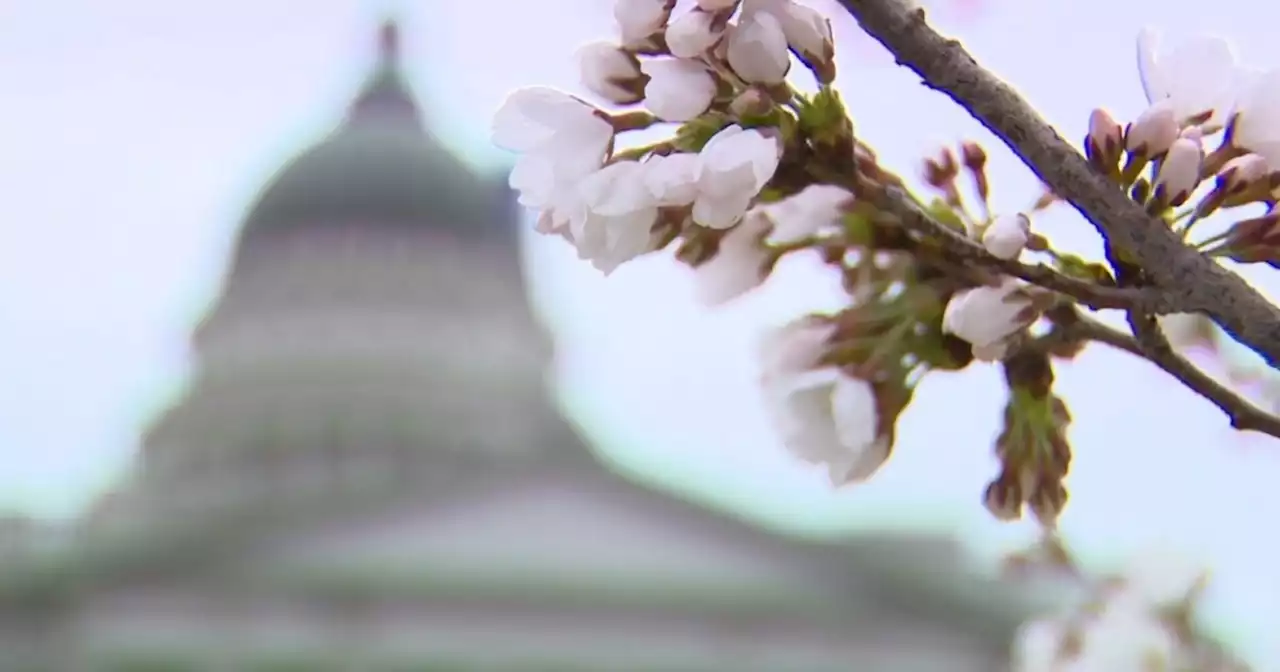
560, 138
987, 316
1007, 236
615, 221
611, 73
794, 348
672, 179
738, 266
640, 20
679, 89
1257, 117
693, 34
831, 420
823, 415
734, 166
813, 210
757, 49
1197, 76
806, 29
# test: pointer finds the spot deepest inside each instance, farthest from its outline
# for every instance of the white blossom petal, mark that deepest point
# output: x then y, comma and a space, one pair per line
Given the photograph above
814, 209
679, 89
738, 266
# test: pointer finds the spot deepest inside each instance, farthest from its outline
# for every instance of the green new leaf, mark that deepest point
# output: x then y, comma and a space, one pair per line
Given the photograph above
824, 118
1083, 269
693, 135
946, 214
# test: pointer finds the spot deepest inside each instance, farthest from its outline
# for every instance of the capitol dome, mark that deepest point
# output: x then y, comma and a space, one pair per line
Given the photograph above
380, 167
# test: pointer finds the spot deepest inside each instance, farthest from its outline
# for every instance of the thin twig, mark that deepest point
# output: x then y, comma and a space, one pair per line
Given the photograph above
1155, 347
893, 201
1188, 281
1150, 343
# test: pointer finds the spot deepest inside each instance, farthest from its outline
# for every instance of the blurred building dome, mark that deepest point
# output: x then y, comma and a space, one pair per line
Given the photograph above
381, 167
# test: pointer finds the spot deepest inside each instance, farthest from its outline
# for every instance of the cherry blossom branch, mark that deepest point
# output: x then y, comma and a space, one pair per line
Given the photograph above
893, 201
1071, 326
1244, 415
1188, 281
1149, 342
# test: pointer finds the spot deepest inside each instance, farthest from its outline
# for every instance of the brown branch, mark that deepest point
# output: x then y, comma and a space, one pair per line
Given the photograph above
893, 201
1073, 326
1188, 280
1156, 348
1149, 342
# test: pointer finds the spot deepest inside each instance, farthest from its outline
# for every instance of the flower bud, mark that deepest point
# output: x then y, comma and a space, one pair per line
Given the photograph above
1242, 172
679, 89
611, 73
693, 34
1003, 498
1105, 140
1179, 172
640, 20
942, 171
1154, 132
973, 156
752, 102
1255, 240
988, 315
1007, 236
757, 49
808, 32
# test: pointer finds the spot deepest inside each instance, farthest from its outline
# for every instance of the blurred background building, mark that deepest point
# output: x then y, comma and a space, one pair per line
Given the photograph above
366, 472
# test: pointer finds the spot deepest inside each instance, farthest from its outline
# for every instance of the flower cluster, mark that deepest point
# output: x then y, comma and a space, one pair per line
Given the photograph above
716, 62
1168, 157
752, 170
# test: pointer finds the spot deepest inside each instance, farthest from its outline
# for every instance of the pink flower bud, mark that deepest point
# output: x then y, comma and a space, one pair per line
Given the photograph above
1105, 133
1154, 132
1179, 172
1242, 172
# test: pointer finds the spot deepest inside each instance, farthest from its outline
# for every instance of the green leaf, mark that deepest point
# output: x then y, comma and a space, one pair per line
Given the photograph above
939, 210
858, 229
1083, 269
693, 135
824, 118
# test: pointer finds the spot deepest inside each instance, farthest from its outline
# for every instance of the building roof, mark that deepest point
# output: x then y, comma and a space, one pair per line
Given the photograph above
381, 166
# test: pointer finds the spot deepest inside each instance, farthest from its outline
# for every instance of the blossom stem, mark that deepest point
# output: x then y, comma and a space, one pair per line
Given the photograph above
1209, 245
636, 120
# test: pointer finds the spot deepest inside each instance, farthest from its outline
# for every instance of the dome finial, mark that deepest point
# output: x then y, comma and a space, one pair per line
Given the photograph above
389, 43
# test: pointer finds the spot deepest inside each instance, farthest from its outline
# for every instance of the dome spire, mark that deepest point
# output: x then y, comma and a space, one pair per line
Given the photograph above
385, 97
389, 45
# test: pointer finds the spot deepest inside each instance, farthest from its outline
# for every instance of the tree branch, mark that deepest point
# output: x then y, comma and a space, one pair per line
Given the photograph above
1149, 342
893, 201
1188, 280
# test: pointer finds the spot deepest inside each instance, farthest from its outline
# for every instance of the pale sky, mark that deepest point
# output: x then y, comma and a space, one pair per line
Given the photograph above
133, 138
